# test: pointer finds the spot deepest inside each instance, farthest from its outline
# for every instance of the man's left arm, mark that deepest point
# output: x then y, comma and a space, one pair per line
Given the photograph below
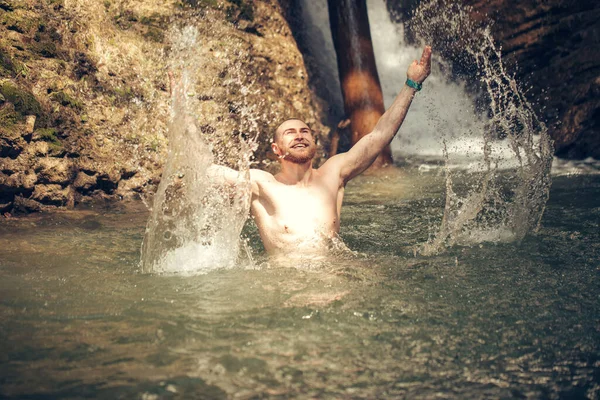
366, 150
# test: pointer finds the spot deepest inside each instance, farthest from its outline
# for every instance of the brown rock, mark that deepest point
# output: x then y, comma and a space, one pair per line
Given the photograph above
29, 123
129, 187
54, 170
39, 149
553, 47
556, 46
51, 194
24, 205
17, 182
4, 207
84, 182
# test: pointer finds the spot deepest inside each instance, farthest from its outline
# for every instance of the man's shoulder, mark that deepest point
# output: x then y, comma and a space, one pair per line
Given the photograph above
331, 168
260, 175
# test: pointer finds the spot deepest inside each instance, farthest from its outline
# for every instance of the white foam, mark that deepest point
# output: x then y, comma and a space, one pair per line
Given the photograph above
588, 166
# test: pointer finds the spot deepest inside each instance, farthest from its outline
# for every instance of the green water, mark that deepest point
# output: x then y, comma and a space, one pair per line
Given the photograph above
512, 320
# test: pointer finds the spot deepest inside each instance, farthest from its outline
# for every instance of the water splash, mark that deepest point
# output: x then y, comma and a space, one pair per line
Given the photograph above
196, 219
497, 154
497, 207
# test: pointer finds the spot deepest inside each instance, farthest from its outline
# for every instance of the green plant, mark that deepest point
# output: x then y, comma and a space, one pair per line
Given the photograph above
24, 102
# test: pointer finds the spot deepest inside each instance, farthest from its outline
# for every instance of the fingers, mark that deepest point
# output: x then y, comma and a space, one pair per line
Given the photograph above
426, 57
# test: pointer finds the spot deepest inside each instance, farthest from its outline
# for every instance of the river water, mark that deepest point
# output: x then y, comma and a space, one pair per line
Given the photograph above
493, 320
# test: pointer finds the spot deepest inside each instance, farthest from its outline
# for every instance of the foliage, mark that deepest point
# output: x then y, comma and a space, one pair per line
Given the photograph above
66, 100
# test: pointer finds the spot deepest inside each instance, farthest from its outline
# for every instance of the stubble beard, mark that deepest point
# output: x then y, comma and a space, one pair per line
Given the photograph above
303, 157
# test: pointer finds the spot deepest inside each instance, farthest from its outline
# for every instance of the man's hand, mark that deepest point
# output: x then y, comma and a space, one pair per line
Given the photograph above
418, 71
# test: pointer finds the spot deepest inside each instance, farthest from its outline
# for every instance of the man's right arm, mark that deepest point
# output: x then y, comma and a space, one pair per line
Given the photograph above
230, 176
223, 174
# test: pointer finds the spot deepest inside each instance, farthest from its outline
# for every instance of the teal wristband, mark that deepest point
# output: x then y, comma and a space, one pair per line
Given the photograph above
414, 85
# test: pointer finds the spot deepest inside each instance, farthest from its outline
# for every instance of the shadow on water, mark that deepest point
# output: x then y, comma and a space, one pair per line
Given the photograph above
491, 320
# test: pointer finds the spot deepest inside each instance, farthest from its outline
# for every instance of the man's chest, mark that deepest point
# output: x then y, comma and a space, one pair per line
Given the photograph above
297, 203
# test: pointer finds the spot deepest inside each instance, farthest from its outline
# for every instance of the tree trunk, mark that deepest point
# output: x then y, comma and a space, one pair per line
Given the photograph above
363, 99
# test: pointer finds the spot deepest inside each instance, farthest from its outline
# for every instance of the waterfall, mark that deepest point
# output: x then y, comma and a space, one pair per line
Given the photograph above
445, 123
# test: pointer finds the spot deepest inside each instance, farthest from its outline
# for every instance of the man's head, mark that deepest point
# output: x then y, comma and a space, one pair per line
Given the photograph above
294, 142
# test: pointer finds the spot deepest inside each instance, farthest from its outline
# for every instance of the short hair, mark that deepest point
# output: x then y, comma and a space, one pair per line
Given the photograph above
279, 126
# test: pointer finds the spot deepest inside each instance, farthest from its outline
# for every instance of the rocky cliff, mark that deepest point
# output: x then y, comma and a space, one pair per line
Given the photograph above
553, 47
84, 91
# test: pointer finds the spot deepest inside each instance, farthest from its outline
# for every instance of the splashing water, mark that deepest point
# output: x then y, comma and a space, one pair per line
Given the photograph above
502, 151
498, 207
196, 221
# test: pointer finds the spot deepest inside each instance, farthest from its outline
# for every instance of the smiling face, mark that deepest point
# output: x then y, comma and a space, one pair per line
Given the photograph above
294, 142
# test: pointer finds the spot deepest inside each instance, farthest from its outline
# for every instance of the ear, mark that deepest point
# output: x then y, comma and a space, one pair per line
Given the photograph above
276, 149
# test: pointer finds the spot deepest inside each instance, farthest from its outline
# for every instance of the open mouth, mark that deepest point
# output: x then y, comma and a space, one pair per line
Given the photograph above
299, 146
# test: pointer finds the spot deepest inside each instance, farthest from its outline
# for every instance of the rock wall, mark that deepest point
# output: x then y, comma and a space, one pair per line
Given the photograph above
84, 91
553, 47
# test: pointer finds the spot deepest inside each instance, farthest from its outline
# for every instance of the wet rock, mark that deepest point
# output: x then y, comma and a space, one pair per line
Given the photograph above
5, 207
19, 182
85, 183
25, 205
127, 188
54, 170
555, 47
552, 47
51, 194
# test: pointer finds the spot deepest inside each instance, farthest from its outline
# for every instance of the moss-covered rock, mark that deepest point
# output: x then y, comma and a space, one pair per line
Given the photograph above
23, 100
94, 75
8, 116
50, 136
66, 100
18, 21
11, 128
6, 64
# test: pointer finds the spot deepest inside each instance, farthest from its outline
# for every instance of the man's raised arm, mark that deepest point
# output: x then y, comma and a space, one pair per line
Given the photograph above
366, 150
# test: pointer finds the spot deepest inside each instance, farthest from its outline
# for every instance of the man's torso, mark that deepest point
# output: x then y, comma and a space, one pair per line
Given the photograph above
296, 217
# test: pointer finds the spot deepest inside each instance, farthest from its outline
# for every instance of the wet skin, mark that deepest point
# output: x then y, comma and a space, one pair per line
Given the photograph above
298, 209
299, 206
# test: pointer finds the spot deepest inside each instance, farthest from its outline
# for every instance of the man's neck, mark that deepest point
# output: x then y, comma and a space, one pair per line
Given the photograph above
295, 174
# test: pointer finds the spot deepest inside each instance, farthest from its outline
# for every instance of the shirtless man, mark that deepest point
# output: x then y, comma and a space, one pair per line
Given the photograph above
298, 209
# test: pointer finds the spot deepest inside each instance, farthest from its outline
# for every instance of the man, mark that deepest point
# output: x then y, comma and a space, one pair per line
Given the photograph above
298, 209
